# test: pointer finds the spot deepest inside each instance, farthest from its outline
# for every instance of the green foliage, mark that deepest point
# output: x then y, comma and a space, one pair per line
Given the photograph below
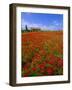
57, 54
33, 74
36, 49
49, 65
58, 71
43, 58
46, 47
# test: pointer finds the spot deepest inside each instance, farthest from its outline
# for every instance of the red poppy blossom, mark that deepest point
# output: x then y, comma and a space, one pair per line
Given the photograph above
60, 63
42, 66
34, 69
38, 53
50, 71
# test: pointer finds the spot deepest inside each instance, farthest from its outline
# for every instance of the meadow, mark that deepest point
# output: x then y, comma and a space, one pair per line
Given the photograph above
42, 53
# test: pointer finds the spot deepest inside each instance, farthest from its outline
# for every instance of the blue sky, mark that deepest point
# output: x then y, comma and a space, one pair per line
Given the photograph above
42, 20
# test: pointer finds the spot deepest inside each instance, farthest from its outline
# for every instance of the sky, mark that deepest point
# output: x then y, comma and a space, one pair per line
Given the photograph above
42, 20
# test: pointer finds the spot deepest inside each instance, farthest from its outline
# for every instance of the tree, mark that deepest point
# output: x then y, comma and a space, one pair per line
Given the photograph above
26, 27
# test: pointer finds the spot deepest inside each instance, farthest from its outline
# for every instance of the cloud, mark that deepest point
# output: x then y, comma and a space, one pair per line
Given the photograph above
44, 27
53, 26
30, 25
56, 23
23, 23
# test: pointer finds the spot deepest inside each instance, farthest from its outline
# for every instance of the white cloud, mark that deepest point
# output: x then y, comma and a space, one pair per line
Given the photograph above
44, 27
56, 23
23, 23
53, 26
30, 25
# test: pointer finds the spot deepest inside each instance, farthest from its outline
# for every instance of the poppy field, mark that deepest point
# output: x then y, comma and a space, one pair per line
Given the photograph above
42, 53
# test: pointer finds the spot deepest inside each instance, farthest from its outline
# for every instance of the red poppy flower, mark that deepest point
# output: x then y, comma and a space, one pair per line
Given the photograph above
42, 66
34, 69
35, 62
50, 71
60, 63
25, 75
